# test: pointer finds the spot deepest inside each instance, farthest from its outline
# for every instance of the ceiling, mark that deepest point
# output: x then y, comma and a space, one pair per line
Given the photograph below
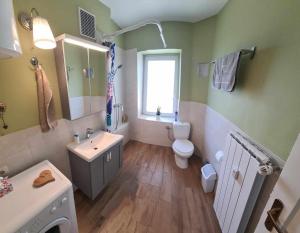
129, 12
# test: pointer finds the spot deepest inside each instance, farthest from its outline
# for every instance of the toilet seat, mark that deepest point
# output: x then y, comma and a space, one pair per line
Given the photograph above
183, 147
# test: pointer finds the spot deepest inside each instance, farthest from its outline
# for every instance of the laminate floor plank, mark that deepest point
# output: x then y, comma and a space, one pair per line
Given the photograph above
149, 195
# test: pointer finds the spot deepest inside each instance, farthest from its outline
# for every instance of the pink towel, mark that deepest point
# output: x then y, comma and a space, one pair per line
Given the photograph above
45, 101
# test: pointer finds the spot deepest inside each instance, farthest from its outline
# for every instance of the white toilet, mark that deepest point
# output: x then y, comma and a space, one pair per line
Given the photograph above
182, 147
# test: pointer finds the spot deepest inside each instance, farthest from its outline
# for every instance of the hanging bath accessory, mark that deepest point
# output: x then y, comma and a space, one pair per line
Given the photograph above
226, 69
251, 52
110, 91
45, 98
110, 77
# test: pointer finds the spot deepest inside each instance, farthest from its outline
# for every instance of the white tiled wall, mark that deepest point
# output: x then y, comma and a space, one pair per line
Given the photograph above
140, 129
194, 113
209, 128
25, 148
155, 132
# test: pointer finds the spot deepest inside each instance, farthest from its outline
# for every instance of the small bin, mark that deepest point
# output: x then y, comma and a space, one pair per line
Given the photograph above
209, 177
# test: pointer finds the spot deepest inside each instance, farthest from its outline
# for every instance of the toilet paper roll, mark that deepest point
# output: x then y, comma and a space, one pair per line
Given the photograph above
219, 156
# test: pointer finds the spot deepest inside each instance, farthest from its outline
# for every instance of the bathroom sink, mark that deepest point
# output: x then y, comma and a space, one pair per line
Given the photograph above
91, 148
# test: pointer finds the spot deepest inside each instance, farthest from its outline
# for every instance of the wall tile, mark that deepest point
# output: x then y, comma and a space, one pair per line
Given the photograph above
25, 148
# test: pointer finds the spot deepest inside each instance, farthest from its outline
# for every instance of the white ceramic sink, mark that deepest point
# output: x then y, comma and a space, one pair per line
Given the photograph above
91, 148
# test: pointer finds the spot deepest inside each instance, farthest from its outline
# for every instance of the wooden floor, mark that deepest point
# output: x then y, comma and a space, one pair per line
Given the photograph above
149, 195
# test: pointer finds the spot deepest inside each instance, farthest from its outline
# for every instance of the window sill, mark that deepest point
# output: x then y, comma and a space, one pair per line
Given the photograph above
156, 119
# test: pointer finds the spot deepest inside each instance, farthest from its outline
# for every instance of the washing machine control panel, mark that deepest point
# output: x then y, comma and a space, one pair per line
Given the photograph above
57, 209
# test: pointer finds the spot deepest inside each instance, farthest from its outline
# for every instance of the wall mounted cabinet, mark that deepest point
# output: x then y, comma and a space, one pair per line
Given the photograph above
81, 73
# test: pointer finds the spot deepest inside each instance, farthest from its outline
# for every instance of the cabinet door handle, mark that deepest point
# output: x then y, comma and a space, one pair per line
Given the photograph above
110, 156
107, 157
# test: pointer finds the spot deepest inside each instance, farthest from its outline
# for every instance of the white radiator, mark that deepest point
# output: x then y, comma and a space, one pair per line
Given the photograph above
239, 183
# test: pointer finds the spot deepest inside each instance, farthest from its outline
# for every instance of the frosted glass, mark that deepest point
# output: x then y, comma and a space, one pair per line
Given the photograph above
160, 85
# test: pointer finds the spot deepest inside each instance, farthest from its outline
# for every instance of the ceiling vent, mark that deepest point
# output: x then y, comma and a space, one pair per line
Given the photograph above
87, 23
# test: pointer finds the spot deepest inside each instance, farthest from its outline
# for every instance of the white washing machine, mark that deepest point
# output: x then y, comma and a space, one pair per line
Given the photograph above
48, 209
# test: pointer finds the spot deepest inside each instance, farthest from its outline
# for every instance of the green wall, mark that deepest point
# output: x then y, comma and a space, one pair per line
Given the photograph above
266, 101
17, 80
177, 35
196, 42
203, 37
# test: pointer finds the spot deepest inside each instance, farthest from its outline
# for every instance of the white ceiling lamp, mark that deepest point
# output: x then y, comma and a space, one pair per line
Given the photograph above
42, 34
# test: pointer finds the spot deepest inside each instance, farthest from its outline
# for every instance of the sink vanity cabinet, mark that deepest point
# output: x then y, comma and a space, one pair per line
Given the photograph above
92, 175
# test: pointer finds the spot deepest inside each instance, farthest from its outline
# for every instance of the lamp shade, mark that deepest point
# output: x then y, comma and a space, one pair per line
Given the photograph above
42, 35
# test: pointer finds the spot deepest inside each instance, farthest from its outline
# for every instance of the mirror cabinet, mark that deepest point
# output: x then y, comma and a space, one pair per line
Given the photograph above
81, 75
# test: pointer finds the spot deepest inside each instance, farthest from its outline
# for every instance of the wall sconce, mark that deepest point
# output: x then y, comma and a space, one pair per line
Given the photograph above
42, 35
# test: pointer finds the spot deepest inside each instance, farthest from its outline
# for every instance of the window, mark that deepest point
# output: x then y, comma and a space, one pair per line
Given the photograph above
161, 84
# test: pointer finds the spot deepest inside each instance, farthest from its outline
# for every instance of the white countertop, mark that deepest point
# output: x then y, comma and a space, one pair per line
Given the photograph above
90, 149
25, 202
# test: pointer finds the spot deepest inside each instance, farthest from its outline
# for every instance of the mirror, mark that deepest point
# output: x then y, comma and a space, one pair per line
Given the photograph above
82, 80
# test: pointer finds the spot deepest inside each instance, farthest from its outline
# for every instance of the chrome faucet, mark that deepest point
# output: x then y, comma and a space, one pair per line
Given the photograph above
89, 132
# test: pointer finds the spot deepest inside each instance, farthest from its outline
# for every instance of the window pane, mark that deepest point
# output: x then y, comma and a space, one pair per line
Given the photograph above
160, 85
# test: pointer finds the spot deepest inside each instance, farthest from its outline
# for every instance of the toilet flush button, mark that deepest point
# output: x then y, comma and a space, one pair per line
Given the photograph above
53, 209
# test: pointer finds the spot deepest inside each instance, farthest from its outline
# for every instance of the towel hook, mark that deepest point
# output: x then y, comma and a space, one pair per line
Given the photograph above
34, 61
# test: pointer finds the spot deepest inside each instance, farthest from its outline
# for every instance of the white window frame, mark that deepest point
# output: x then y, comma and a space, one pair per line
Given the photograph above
155, 57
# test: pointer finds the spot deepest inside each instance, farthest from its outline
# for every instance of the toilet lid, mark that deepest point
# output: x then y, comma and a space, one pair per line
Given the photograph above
183, 147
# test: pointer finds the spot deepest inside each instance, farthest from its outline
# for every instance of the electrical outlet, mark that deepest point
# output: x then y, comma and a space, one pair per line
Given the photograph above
4, 170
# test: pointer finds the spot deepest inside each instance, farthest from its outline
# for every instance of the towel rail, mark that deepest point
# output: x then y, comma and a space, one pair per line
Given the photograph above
251, 51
